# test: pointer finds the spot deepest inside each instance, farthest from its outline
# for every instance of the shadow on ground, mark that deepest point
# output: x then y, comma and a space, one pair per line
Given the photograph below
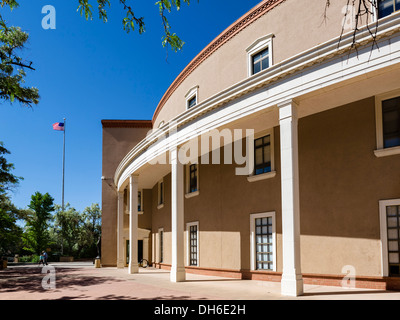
29, 280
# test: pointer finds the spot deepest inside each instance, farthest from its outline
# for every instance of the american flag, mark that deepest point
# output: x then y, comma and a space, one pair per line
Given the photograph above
58, 126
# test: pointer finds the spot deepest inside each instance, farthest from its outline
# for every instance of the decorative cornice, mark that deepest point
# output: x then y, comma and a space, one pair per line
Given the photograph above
127, 123
311, 58
224, 37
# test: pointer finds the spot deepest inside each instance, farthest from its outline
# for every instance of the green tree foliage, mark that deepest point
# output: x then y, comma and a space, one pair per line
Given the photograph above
12, 66
78, 232
10, 232
37, 236
67, 224
89, 231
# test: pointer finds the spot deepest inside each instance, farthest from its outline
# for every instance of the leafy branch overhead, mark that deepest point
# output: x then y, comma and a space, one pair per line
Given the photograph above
12, 67
131, 20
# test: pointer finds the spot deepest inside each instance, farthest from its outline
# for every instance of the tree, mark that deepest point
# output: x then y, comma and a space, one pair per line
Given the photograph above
89, 231
67, 224
131, 19
10, 232
12, 67
7, 179
363, 11
37, 235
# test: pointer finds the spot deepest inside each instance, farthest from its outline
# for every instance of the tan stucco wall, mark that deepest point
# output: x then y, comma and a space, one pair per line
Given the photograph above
341, 183
117, 142
297, 26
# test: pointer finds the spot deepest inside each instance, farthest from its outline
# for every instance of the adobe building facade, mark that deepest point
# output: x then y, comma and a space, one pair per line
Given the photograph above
274, 155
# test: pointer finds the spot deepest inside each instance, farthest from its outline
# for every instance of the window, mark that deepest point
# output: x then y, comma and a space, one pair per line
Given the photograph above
192, 180
259, 55
192, 102
262, 155
161, 191
393, 239
390, 238
387, 7
391, 122
193, 243
192, 97
140, 201
263, 241
387, 110
260, 61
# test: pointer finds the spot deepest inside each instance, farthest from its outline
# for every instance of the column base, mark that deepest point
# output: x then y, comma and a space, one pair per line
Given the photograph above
178, 275
133, 268
120, 265
292, 285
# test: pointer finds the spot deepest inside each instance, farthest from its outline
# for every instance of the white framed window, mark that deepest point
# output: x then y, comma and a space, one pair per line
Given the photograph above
389, 213
263, 241
387, 7
264, 156
193, 244
160, 194
140, 202
387, 115
192, 97
192, 180
259, 55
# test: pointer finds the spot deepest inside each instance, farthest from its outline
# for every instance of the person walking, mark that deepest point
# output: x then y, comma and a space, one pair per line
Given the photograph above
41, 259
45, 256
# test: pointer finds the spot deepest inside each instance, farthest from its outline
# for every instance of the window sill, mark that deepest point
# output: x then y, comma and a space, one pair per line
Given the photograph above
387, 152
140, 212
160, 206
263, 176
192, 194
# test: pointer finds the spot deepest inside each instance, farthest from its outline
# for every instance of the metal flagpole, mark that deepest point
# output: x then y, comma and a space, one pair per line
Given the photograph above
63, 171
62, 199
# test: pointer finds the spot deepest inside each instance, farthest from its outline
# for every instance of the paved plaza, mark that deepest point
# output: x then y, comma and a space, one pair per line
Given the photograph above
82, 281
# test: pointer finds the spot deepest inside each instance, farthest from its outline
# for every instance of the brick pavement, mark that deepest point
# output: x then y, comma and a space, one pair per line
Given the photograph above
81, 281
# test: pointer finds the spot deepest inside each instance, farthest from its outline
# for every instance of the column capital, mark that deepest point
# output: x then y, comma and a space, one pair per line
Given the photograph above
288, 109
134, 178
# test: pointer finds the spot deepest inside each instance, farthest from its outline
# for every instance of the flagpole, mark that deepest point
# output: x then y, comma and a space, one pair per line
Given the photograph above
63, 170
63, 175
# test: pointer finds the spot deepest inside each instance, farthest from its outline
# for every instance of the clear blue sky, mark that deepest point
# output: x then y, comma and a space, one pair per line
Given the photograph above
87, 71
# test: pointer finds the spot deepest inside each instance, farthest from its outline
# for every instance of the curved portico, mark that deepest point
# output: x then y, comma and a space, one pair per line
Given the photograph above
288, 102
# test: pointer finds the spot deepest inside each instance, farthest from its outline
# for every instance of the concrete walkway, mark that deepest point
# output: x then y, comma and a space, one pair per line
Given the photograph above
82, 281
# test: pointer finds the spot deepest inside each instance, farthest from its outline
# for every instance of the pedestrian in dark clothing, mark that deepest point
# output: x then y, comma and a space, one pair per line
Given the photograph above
45, 257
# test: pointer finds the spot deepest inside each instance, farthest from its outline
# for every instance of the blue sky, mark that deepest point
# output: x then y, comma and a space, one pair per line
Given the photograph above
87, 71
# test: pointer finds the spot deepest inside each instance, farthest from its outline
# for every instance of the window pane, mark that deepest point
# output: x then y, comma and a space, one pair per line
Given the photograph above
265, 63
385, 8
392, 222
391, 211
267, 154
392, 234
259, 156
393, 258
256, 67
393, 246
258, 142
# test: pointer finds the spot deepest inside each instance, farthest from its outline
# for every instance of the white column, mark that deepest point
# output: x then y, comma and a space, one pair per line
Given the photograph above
177, 216
133, 225
292, 282
120, 231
